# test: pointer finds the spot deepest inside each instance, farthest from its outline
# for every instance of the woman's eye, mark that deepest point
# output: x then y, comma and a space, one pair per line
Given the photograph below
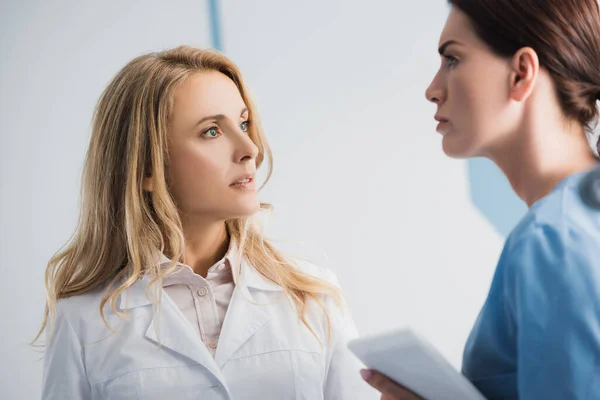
212, 132
245, 126
450, 60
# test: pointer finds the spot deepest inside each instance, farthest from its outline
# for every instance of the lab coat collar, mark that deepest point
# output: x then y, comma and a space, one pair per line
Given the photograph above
249, 278
245, 316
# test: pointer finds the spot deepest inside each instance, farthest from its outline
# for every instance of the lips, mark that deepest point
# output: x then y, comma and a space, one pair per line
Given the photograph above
443, 122
243, 180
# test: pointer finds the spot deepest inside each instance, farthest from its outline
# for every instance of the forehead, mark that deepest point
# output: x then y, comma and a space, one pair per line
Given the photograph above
207, 93
458, 27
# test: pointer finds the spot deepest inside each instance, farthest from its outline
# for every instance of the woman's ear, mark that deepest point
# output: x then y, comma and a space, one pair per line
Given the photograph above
525, 69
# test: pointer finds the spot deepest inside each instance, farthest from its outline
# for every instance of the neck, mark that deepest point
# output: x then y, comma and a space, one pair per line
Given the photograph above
541, 156
206, 242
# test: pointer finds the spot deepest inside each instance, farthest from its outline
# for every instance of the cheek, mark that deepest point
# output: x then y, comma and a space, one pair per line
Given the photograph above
492, 94
194, 174
477, 102
462, 109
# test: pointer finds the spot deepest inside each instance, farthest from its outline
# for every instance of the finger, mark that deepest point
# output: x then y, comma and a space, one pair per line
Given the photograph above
390, 389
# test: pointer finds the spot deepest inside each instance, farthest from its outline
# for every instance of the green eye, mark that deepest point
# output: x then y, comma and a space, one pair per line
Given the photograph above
245, 126
211, 132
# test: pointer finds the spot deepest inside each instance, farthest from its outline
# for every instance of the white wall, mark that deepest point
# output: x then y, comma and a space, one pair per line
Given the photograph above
56, 59
360, 178
360, 184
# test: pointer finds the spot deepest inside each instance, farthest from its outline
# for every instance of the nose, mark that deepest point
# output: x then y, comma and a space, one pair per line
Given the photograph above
435, 92
246, 149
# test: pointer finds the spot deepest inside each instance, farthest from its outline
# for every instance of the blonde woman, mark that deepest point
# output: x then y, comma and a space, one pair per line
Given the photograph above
168, 290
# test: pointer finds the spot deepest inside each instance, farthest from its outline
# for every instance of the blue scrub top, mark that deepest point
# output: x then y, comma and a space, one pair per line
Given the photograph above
538, 334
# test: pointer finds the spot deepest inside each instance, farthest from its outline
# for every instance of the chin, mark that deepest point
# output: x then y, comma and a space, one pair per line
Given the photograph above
458, 149
453, 151
246, 210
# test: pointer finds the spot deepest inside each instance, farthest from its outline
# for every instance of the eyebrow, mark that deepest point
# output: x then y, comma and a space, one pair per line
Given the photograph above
218, 117
443, 47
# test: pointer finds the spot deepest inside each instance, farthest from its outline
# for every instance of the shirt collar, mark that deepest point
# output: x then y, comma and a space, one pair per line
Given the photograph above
232, 260
243, 273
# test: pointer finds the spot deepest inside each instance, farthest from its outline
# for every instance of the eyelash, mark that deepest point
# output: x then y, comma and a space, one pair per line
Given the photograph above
205, 132
450, 60
248, 124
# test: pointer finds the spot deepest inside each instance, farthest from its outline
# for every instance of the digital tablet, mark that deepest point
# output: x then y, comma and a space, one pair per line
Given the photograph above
415, 364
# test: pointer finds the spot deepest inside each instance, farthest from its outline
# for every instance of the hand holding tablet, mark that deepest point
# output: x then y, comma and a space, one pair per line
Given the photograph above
413, 363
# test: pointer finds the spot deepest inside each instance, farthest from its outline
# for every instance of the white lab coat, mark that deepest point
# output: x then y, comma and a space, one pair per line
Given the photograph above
264, 352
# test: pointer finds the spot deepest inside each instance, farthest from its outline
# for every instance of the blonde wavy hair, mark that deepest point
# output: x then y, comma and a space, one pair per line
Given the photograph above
121, 226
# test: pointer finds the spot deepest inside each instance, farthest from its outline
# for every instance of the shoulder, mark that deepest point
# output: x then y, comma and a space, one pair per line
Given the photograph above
316, 271
333, 297
561, 215
557, 239
78, 306
338, 314
82, 313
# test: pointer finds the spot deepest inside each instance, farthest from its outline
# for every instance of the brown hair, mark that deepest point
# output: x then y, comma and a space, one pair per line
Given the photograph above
565, 34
